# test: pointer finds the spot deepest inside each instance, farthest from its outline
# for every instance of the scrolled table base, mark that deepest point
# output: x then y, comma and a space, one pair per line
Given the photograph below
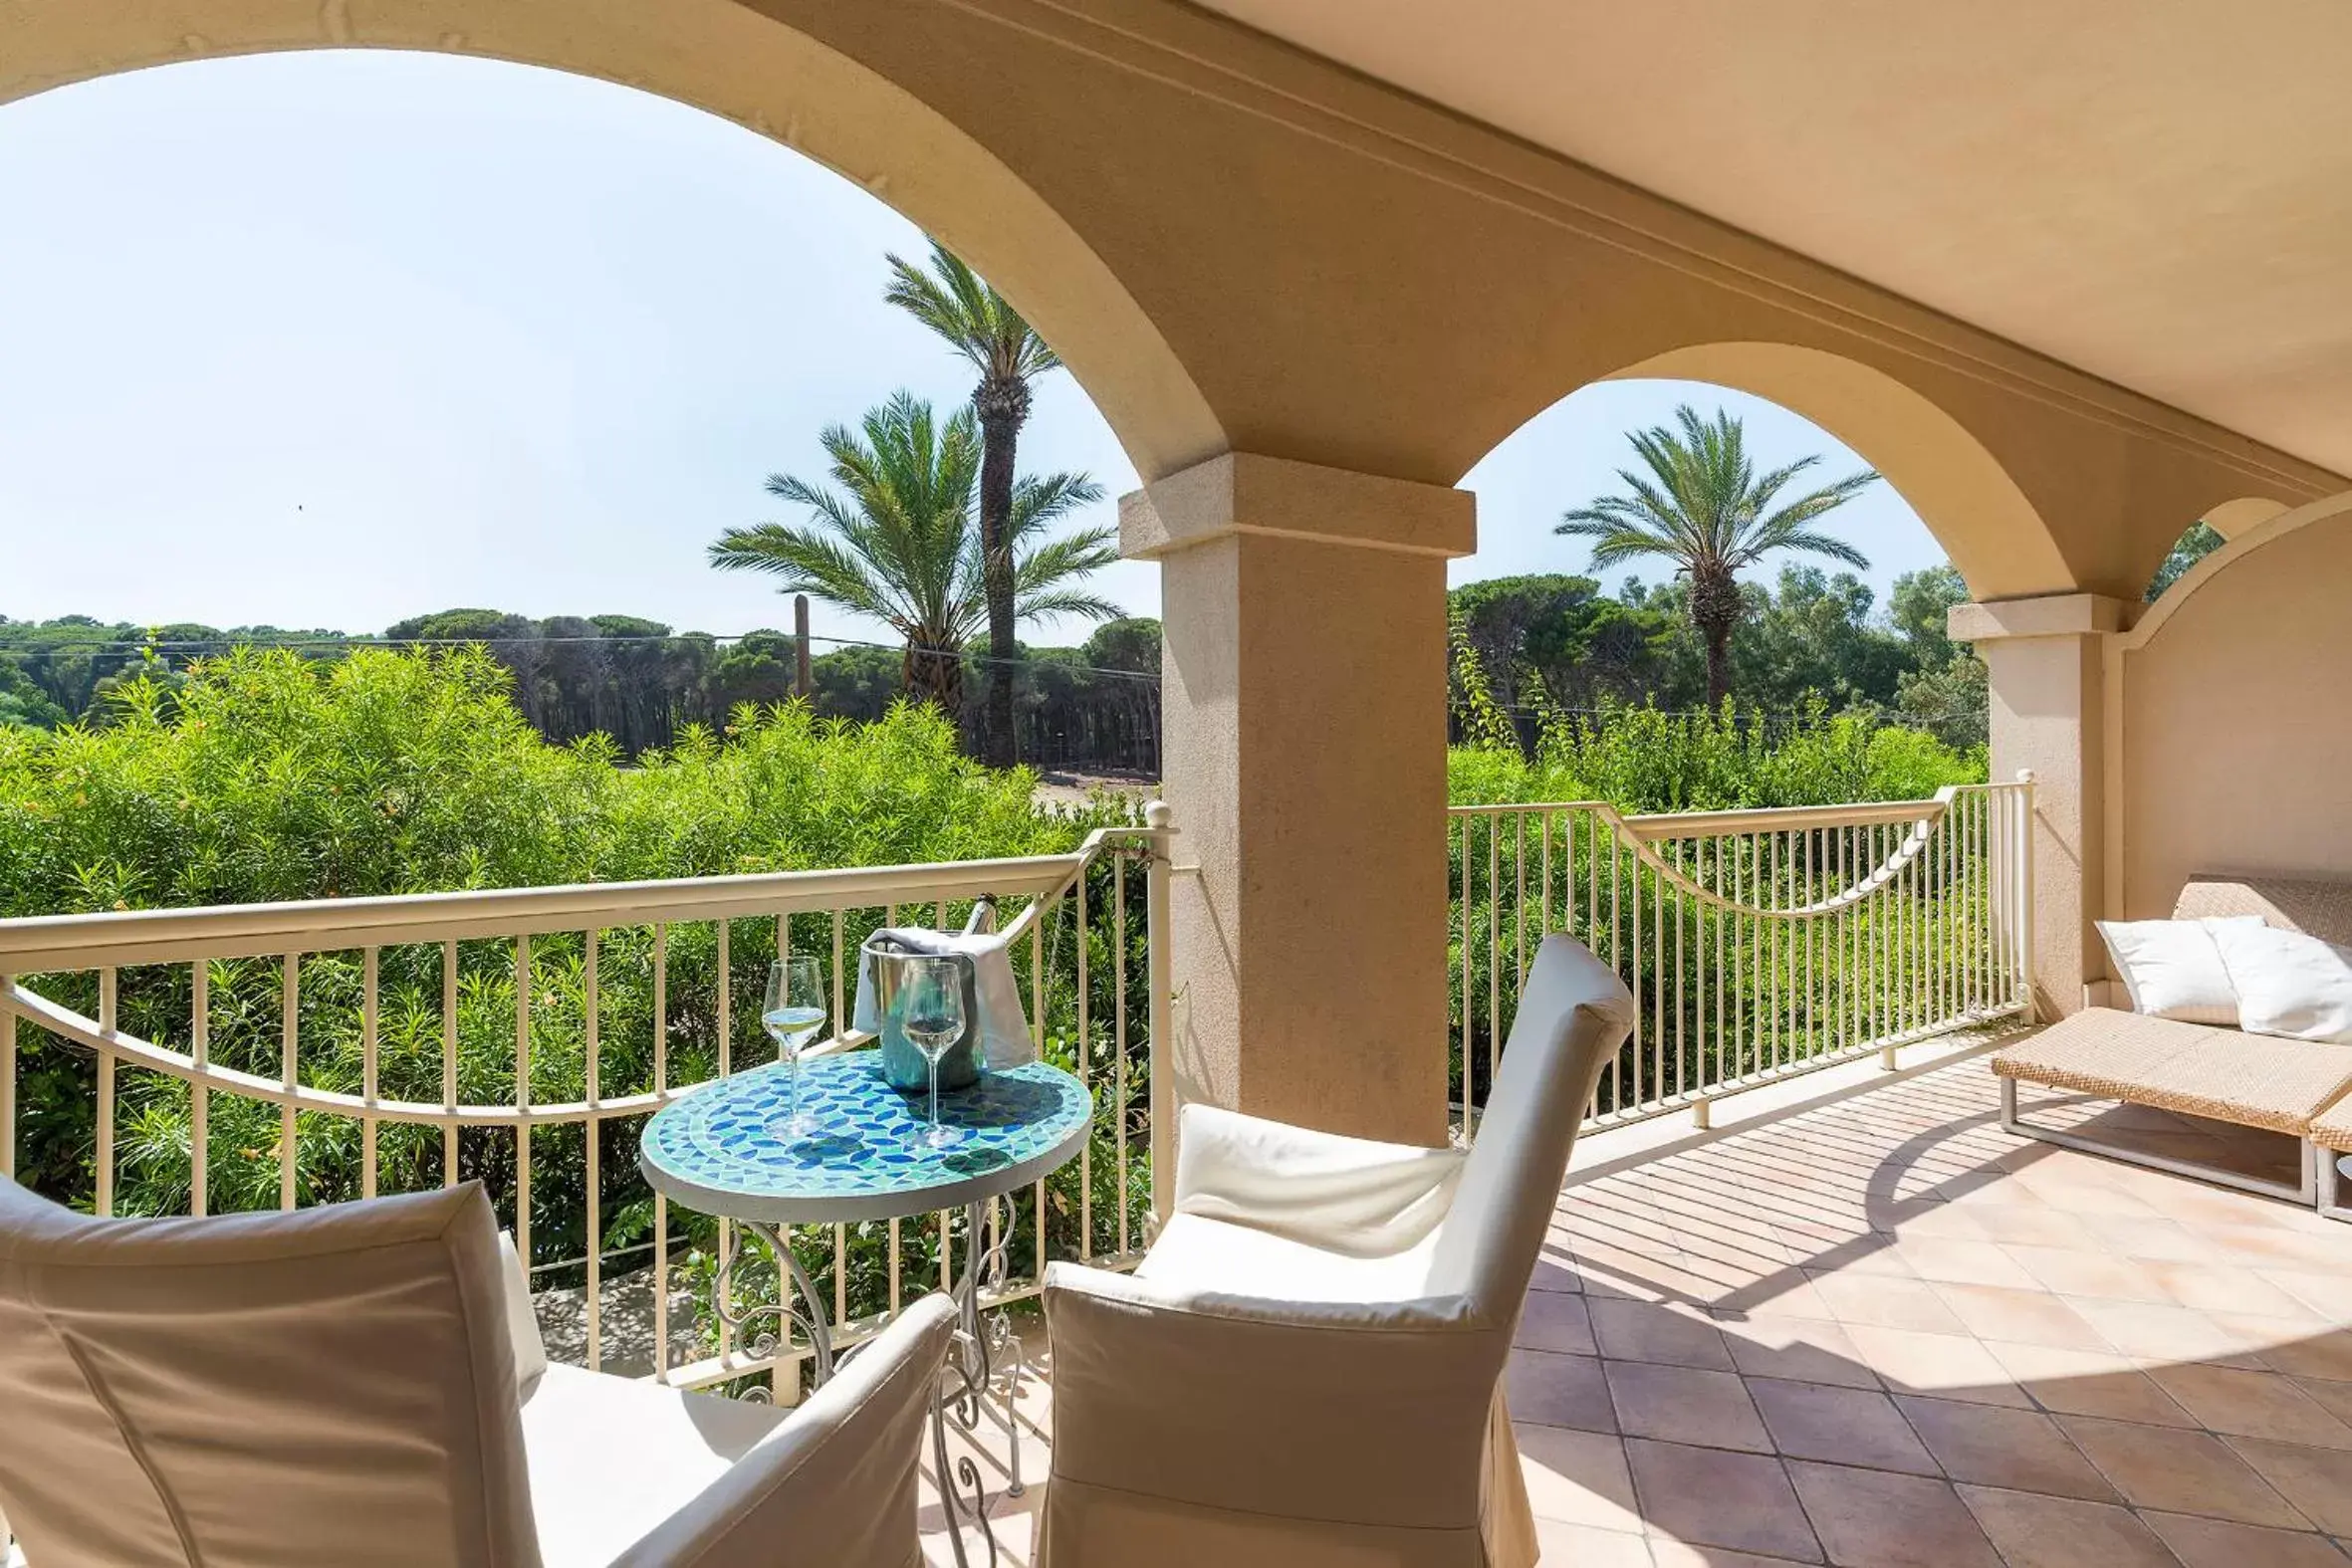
968, 1384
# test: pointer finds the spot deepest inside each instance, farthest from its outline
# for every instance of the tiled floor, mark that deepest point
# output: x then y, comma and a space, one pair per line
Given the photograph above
1881, 1333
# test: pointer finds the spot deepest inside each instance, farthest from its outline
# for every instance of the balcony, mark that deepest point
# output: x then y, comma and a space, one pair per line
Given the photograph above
1804, 1299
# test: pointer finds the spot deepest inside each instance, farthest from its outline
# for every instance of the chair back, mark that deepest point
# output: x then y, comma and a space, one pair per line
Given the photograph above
1574, 1015
333, 1385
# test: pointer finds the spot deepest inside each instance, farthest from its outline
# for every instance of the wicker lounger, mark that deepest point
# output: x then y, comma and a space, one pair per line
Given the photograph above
2284, 1086
2332, 1131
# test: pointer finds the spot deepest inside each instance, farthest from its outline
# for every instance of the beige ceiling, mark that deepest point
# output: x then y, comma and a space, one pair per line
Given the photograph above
2155, 191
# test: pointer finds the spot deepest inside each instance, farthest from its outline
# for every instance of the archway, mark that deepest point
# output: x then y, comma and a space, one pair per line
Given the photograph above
730, 61
1994, 536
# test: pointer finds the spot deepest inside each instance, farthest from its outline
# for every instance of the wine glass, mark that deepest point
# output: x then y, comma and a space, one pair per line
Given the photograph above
931, 1016
793, 1014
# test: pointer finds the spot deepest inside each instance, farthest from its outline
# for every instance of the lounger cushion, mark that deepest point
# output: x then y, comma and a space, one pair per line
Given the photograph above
2279, 1085
2289, 984
2172, 968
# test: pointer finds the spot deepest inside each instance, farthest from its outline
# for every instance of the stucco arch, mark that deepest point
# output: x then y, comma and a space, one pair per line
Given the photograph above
730, 61
1977, 512
2233, 518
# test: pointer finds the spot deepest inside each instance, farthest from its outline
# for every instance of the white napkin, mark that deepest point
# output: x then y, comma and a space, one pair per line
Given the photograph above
1003, 1027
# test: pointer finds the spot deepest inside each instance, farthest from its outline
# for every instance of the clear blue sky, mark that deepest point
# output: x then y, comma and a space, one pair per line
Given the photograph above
329, 340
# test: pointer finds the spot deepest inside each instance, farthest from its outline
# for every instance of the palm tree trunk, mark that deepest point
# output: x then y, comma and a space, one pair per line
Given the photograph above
932, 671
1002, 412
1715, 610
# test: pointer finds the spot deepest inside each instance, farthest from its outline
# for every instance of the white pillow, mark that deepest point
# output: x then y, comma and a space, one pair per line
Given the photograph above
2173, 970
2288, 983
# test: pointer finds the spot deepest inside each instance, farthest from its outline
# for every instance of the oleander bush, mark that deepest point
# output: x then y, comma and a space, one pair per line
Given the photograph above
263, 776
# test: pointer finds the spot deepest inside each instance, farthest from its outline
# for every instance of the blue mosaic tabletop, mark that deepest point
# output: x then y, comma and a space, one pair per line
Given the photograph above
712, 1150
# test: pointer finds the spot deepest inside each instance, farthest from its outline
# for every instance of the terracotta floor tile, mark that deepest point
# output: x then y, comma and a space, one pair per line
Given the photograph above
1841, 1425
1576, 1477
1666, 1552
2164, 1333
2215, 1288
1872, 1520
1945, 1365
2150, 1240
1883, 1301
2336, 1395
1942, 1261
2033, 1225
2021, 1317
1640, 1331
1557, 1322
1713, 1497
2211, 1543
2320, 1353
2089, 1383
1558, 1391
2189, 1472
1684, 1405
1872, 1253
2065, 1532
1789, 1295
2094, 1275
1589, 1548
1989, 1446
1794, 1349
2251, 1404
1941, 1220
2316, 1481
2328, 1294
1556, 1270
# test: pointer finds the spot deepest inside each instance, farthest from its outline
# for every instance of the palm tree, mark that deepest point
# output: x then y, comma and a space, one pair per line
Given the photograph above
895, 540
978, 325
1703, 506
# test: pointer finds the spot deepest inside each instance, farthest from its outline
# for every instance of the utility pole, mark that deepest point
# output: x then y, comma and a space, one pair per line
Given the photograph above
801, 685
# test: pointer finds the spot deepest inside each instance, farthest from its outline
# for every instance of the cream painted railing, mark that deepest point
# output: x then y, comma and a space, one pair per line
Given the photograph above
283, 1055
1758, 944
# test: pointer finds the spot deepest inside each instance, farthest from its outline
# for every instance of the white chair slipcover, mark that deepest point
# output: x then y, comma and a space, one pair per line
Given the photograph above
1306, 1368
355, 1384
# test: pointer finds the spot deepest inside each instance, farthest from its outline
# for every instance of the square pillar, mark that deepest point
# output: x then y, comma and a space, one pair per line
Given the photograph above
2045, 662
1303, 752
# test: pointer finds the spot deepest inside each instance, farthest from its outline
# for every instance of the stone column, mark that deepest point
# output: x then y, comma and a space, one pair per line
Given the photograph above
1303, 748
2044, 658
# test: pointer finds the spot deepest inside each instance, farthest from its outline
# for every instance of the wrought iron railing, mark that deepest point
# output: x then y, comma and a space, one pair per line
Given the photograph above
1758, 944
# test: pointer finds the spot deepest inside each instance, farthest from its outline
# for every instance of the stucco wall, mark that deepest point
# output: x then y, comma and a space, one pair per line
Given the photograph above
2236, 709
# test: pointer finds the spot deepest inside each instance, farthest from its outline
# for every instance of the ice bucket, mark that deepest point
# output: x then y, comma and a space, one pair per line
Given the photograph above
903, 1066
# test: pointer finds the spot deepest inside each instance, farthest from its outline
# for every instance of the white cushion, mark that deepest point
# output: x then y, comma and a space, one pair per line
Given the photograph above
1196, 1253
521, 1319
2173, 970
2288, 983
612, 1457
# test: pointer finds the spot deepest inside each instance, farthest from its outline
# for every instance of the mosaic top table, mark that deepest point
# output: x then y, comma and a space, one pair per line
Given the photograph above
714, 1150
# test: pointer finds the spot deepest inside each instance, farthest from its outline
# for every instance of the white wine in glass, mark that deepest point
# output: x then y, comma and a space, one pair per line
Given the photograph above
931, 1016
793, 1015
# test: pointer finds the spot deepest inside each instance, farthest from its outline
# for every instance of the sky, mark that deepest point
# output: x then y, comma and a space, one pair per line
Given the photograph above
329, 340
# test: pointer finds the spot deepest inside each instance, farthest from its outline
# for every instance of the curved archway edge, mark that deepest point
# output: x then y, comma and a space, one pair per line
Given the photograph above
728, 60
1996, 539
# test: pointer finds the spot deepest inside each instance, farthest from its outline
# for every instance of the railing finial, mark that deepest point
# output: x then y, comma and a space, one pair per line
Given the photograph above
1157, 814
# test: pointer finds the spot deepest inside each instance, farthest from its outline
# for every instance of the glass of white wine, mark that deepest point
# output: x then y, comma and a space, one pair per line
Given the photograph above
931, 1016
793, 1014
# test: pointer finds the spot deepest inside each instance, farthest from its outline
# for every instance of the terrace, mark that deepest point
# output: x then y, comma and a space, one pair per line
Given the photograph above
1804, 1300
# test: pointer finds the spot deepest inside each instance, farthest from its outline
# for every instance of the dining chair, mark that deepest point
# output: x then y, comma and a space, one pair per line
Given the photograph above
364, 1384
1305, 1368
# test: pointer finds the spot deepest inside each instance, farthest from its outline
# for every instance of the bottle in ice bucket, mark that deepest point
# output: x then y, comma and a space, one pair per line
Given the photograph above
903, 1066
